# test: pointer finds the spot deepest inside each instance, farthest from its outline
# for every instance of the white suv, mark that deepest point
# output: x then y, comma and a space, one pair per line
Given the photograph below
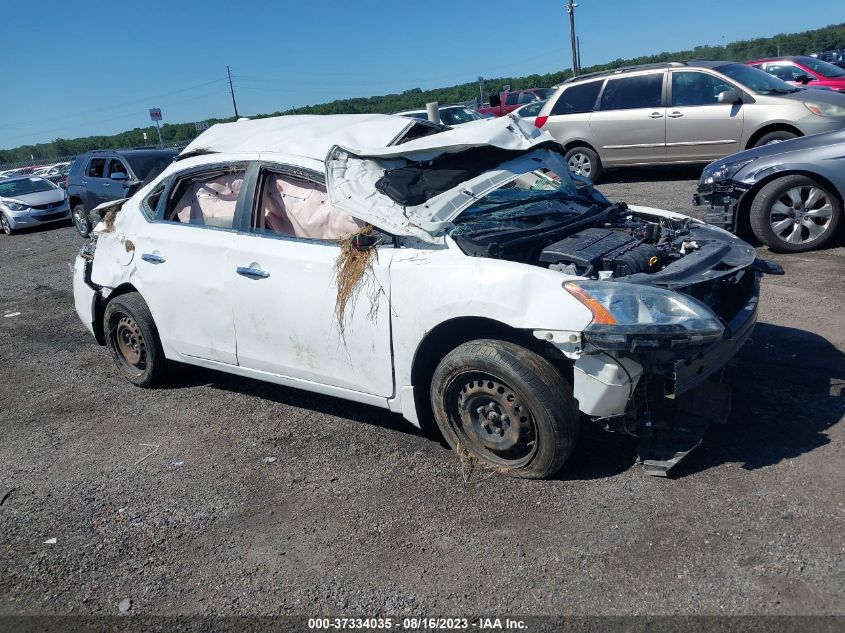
461, 274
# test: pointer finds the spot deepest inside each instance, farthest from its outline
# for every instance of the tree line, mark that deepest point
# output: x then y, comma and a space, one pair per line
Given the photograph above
829, 37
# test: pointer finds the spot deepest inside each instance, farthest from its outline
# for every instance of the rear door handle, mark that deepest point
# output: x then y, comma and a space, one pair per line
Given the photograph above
656, 115
153, 258
676, 115
252, 273
106, 184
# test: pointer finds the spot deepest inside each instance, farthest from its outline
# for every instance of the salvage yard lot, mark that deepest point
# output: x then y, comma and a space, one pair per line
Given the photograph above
362, 514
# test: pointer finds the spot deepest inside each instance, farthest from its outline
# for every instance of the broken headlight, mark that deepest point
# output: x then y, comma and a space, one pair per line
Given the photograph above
630, 316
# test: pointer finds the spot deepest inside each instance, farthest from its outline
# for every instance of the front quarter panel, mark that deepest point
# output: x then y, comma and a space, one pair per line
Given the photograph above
432, 286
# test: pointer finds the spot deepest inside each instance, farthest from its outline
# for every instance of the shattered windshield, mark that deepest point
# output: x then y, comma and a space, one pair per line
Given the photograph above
529, 198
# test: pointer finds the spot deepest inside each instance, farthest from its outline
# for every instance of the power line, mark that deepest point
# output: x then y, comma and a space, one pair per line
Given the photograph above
134, 102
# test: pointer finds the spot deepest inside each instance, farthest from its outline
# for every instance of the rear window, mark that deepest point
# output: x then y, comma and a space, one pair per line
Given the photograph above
145, 165
24, 186
629, 93
578, 98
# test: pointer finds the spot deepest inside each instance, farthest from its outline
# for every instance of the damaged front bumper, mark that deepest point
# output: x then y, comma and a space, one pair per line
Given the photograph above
665, 396
721, 202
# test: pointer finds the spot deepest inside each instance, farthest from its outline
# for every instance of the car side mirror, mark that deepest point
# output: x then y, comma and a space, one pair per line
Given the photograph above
730, 96
803, 79
363, 242
119, 175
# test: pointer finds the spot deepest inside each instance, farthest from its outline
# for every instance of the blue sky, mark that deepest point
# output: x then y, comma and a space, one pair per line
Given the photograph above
75, 68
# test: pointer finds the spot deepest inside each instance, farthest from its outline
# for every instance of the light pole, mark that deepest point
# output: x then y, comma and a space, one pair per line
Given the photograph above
570, 9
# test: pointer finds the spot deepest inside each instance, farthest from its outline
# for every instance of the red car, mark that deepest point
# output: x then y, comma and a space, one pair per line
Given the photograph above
804, 71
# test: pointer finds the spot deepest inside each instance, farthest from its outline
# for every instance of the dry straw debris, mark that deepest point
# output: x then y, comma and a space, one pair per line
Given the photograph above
351, 266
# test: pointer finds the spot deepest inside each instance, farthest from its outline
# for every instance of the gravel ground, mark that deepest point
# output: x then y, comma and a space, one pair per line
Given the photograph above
360, 514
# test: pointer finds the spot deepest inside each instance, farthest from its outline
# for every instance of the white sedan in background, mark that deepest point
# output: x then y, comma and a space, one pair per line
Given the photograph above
459, 275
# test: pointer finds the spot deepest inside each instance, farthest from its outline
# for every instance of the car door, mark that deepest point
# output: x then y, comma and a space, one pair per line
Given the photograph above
284, 290
698, 127
182, 260
629, 126
93, 181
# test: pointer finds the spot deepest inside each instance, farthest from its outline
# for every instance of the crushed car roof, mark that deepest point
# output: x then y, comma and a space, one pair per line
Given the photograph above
357, 150
311, 136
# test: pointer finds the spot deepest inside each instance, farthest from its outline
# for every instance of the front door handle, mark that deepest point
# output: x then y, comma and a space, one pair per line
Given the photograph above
676, 115
153, 258
656, 115
252, 273
106, 184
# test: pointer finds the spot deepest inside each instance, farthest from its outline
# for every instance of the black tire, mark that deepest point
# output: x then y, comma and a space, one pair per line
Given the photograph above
81, 220
774, 137
496, 381
132, 339
5, 225
771, 209
584, 161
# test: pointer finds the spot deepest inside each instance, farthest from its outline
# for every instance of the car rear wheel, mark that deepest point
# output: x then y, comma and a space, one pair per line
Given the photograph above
5, 225
132, 338
774, 137
584, 162
506, 406
794, 214
81, 220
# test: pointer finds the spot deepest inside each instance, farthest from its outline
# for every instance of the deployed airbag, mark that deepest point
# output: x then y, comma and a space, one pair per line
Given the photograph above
300, 208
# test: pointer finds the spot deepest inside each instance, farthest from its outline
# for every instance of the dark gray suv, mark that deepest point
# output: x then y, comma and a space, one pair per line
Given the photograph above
105, 175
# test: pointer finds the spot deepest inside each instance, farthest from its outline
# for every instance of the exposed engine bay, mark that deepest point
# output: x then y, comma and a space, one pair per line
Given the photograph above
582, 239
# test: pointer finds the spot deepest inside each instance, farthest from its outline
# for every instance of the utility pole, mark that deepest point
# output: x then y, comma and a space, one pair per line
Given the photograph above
570, 9
578, 42
232, 90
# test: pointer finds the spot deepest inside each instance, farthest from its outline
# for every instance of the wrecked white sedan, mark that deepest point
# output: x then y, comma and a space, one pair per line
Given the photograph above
462, 275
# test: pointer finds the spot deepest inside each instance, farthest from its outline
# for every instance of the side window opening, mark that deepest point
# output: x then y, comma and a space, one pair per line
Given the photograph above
629, 93
296, 207
578, 99
150, 203
117, 167
695, 89
206, 199
96, 168
512, 99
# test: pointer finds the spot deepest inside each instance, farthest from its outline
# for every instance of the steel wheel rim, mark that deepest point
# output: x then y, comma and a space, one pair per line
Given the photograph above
580, 164
129, 344
80, 220
801, 215
4, 222
491, 419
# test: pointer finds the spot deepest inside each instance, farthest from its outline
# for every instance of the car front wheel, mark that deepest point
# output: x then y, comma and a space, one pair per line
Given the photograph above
132, 338
506, 407
81, 220
5, 225
794, 214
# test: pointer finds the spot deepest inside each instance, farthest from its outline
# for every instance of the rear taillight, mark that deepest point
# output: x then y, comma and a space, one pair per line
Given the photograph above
540, 121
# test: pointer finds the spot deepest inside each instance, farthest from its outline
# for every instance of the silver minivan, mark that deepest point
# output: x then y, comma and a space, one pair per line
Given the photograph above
680, 112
